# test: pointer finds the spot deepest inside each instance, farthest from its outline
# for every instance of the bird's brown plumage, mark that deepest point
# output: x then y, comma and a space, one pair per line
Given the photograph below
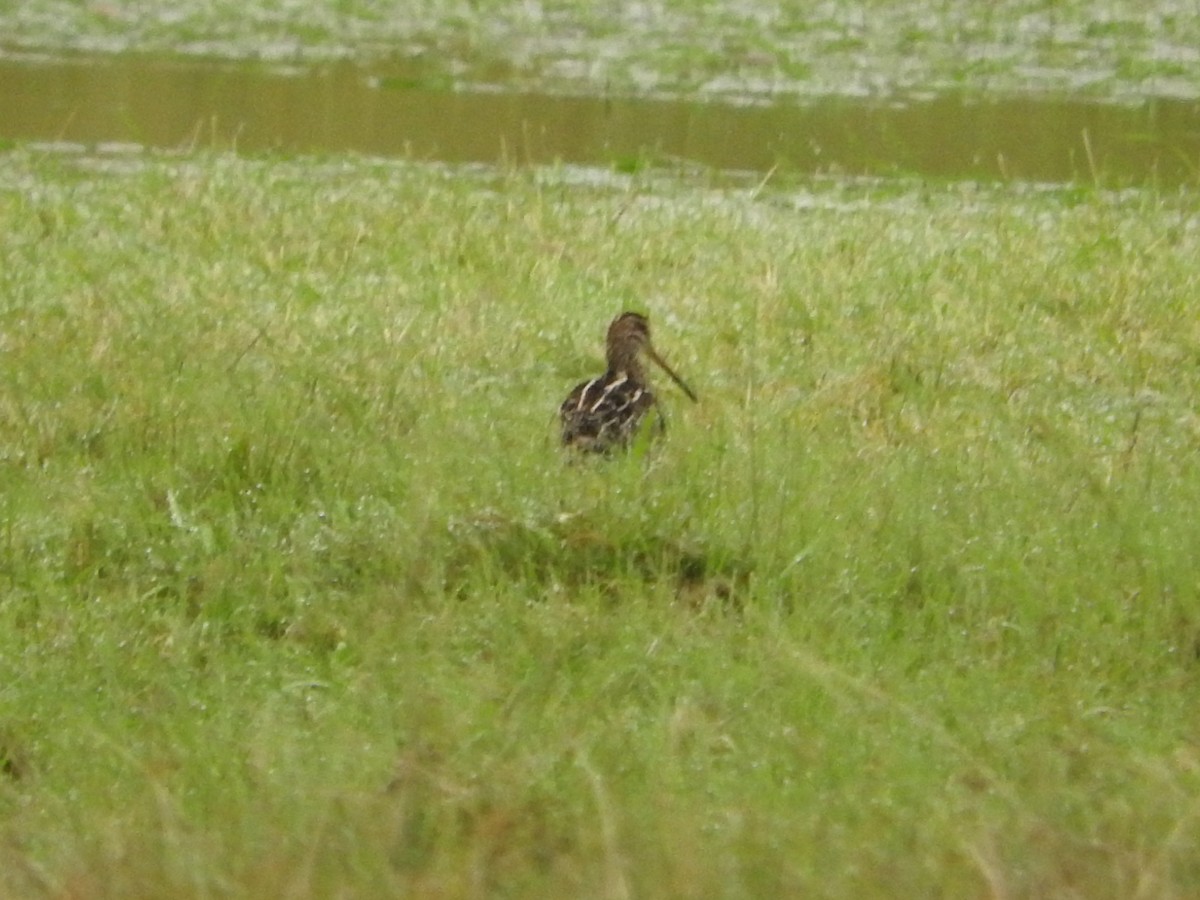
605, 413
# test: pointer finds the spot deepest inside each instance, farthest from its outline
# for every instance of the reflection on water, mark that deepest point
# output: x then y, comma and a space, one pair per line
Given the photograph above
170, 103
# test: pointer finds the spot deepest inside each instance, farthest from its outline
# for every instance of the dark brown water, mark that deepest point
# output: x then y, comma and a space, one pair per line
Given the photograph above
172, 103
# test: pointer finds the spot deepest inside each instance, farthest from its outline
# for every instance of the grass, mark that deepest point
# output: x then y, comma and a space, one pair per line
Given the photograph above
1121, 50
299, 596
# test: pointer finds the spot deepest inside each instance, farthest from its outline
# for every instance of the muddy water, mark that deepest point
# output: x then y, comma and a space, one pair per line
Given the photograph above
173, 103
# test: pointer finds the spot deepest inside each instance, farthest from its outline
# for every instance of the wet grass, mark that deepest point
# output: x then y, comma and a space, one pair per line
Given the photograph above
298, 595
1112, 50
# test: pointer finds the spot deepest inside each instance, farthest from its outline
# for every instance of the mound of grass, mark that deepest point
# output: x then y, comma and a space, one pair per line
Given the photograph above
300, 595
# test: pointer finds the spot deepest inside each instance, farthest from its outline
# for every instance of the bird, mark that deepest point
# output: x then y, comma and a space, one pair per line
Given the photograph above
606, 413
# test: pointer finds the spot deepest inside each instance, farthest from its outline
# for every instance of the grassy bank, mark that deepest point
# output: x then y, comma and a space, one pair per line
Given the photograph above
1114, 49
300, 597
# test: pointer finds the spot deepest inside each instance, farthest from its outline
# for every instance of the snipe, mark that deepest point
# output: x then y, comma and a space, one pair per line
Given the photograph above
605, 414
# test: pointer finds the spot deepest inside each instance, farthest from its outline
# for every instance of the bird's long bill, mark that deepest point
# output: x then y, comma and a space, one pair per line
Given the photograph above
650, 351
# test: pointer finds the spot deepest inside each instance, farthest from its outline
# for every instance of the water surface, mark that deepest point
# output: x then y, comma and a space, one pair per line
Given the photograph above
167, 103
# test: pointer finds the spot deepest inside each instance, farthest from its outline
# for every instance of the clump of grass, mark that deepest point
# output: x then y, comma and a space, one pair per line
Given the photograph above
300, 595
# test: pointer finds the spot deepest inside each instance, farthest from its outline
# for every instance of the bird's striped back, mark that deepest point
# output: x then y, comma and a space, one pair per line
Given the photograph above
605, 413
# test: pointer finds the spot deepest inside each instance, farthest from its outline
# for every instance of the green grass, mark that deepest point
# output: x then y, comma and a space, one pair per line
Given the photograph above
1121, 50
298, 595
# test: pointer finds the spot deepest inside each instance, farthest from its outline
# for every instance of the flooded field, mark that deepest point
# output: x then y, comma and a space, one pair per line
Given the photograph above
167, 103
1123, 50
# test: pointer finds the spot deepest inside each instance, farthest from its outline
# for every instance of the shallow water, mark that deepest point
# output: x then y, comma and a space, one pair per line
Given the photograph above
171, 103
